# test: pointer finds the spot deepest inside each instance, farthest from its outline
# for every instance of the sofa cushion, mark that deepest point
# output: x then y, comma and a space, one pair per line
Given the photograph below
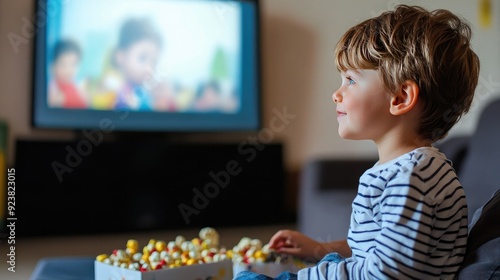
479, 172
482, 260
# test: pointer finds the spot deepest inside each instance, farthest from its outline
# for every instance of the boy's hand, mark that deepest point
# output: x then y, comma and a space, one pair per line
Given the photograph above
296, 244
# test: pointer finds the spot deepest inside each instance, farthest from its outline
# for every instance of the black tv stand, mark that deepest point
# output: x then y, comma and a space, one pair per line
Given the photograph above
128, 185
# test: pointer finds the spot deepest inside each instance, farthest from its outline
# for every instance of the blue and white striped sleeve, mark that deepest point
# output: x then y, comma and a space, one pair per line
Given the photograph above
410, 227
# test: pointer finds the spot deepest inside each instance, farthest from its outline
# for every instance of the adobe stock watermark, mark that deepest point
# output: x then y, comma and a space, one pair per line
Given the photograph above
248, 149
154, 79
94, 137
30, 26
84, 147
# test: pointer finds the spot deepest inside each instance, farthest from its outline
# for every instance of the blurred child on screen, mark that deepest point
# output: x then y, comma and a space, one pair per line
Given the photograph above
136, 57
63, 91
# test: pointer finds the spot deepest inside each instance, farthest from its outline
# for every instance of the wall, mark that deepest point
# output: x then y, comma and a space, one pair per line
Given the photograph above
15, 76
298, 71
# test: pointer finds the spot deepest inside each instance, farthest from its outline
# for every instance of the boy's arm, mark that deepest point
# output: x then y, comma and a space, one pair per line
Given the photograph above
380, 262
339, 246
408, 234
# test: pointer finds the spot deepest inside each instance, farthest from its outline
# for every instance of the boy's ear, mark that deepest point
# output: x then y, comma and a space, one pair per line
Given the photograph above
405, 98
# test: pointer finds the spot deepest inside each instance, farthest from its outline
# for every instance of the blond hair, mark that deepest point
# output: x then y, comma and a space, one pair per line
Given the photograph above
431, 48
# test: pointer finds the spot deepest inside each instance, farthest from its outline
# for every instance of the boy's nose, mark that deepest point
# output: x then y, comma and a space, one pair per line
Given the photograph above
336, 96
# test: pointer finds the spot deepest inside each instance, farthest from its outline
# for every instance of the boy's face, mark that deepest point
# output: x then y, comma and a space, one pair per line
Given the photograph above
363, 105
66, 67
138, 62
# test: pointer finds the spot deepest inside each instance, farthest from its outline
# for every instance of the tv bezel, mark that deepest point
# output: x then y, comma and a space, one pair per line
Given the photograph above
134, 121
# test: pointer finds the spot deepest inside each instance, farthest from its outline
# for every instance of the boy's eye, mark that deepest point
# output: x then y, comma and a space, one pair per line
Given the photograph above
350, 81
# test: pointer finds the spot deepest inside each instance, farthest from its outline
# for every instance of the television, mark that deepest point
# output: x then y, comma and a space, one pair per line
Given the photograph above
147, 65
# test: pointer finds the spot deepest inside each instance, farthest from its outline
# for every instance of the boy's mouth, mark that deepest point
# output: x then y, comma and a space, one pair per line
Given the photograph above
340, 114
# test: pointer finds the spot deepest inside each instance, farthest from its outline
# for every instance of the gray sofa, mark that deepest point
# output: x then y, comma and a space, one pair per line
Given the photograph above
328, 186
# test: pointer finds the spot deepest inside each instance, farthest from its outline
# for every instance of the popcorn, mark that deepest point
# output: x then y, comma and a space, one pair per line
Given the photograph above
245, 242
134, 266
163, 254
176, 255
208, 233
179, 240
256, 243
158, 254
154, 257
145, 267
250, 251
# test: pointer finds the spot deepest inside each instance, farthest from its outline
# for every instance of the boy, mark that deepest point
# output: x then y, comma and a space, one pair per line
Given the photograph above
407, 77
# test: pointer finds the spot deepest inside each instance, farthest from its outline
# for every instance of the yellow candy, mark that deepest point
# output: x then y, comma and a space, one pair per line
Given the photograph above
101, 257
178, 262
133, 244
229, 254
173, 265
196, 241
191, 262
160, 246
152, 241
145, 257
185, 257
259, 254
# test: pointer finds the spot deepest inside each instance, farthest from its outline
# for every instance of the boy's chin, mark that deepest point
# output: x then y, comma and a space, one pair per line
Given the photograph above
345, 134
350, 136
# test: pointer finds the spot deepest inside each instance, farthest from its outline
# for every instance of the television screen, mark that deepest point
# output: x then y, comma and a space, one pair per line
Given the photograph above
157, 65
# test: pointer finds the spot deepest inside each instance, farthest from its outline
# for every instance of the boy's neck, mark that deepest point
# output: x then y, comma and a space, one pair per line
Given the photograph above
396, 145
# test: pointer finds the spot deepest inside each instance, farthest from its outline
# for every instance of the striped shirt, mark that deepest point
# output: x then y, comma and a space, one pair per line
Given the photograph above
408, 221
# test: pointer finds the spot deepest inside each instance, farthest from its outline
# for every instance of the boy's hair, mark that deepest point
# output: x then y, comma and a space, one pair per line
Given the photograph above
137, 29
65, 46
431, 48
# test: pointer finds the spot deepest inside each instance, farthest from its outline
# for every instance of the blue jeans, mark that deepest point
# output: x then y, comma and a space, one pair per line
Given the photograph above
249, 275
